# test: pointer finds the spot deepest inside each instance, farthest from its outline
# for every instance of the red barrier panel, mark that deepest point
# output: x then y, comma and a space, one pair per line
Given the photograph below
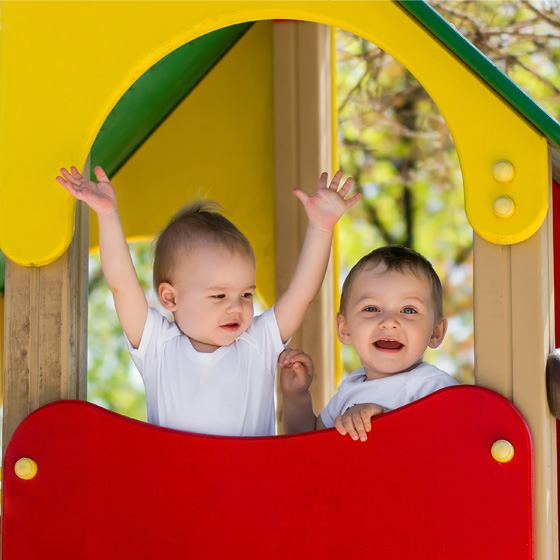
425, 486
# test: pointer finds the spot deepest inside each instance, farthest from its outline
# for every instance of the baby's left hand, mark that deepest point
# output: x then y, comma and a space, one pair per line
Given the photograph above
356, 421
296, 371
328, 204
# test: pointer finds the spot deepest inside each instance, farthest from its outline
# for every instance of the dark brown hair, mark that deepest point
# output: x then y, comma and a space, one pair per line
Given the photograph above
400, 259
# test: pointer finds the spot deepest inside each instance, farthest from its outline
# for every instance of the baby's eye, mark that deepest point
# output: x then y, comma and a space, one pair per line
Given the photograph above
408, 310
247, 295
371, 309
218, 296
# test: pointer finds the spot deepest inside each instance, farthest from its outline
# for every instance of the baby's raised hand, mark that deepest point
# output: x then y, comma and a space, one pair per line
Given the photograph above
296, 370
328, 204
100, 196
356, 421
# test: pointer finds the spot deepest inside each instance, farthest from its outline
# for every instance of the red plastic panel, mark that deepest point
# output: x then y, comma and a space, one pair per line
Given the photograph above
423, 486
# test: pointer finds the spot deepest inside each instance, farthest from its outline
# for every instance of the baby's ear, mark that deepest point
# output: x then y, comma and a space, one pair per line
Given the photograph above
342, 330
438, 334
166, 294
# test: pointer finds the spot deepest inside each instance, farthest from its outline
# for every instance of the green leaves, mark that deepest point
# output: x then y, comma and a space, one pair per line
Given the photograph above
397, 146
113, 381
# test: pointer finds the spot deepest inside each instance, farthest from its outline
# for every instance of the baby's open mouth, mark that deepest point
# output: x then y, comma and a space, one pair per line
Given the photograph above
230, 326
387, 344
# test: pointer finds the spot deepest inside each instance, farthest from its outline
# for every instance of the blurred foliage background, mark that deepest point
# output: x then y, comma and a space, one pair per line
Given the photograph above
395, 143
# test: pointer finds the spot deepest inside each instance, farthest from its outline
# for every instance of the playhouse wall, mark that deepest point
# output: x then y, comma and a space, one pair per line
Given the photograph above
217, 145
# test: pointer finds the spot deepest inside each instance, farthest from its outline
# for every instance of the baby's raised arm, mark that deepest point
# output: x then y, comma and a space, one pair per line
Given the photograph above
118, 269
323, 210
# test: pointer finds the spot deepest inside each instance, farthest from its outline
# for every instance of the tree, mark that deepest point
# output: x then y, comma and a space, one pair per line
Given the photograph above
521, 37
395, 143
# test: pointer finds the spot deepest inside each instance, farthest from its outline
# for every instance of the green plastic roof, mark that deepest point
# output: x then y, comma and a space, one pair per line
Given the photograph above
485, 68
151, 99
2, 272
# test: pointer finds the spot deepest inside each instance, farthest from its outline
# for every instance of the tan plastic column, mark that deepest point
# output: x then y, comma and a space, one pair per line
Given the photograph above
513, 291
45, 350
302, 150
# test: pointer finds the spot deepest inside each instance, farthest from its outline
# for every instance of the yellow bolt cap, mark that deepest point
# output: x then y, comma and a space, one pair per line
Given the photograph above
504, 207
26, 468
503, 171
502, 451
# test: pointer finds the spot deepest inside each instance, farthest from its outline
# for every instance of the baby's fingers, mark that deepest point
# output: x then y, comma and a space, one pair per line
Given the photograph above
61, 180
345, 424
67, 176
356, 422
288, 356
299, 368
335, 180
301, 194
358, 430
339, 425
343, 191
75, 173
365, 422
100, 174
322, 184
69, 185
72, 177
65, 173
351, 201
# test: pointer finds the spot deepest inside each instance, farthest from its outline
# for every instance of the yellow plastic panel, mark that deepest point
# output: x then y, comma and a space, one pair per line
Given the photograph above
213, 145
65, 64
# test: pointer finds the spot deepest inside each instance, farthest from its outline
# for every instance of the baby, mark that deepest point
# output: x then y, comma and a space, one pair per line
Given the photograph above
211, 370
391, 310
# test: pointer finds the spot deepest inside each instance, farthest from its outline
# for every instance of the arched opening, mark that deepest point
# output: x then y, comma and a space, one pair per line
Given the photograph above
388, 165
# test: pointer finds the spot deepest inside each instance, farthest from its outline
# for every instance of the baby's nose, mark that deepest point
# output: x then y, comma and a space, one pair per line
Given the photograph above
389, 321
235, 304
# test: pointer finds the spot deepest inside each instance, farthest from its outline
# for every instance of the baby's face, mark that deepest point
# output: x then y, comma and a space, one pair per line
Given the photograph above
214, 291
390, 320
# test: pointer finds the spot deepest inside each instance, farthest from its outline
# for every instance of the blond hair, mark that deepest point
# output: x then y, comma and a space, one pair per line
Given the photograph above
198, 223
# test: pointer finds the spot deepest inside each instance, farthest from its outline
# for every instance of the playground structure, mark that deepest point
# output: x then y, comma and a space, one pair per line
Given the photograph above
270, 104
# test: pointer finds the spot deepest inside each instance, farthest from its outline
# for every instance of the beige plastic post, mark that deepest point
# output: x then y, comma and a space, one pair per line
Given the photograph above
45, 351
513, 290
302, 150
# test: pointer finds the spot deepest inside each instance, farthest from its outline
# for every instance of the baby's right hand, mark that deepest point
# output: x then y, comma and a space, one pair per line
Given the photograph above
356, 421
296, 370
100, 197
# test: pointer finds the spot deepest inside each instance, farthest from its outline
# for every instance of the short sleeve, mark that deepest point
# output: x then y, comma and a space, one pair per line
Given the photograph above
264, 336
329, 414
156, 329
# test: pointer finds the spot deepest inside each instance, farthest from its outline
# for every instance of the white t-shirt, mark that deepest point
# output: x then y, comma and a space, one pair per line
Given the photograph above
388, 392
226, 392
